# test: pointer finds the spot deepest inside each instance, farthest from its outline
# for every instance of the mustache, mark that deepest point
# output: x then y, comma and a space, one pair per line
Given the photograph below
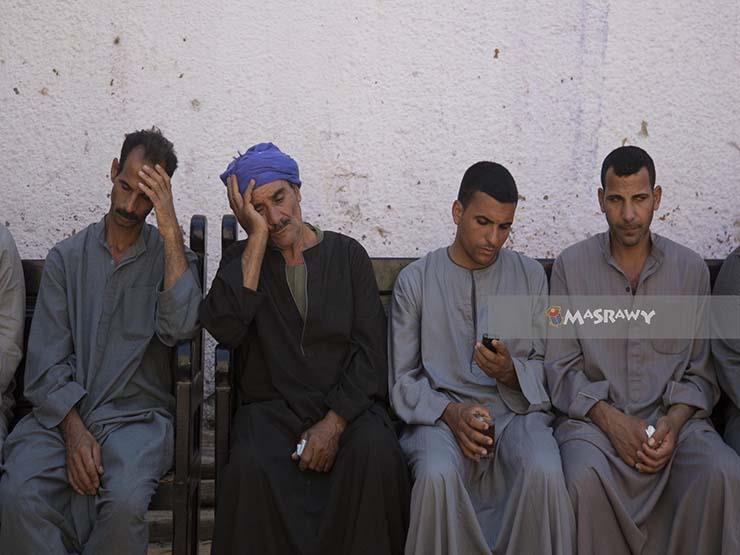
128, 215
278, 227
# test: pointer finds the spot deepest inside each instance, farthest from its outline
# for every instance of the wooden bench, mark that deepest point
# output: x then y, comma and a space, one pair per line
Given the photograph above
179, 490
386, 271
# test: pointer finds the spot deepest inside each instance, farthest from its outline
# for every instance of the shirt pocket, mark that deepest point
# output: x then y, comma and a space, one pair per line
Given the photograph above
670, 346
139, 312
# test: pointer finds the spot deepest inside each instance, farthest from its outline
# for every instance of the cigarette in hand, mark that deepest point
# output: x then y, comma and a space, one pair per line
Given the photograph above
649, 431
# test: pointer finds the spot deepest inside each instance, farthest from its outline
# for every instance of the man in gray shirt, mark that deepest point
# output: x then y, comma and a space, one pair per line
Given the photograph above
474, 494
81, 468
12, 313
726, 345
674, 490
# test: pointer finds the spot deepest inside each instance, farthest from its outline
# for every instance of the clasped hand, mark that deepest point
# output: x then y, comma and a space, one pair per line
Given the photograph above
322, 444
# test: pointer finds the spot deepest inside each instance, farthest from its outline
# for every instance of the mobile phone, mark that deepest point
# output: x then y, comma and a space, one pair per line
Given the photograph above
488, 342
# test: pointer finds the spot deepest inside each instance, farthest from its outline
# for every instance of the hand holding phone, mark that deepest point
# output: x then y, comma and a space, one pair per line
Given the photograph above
488, 340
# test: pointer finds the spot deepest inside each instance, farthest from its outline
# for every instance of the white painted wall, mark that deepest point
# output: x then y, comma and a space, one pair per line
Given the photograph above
383, 104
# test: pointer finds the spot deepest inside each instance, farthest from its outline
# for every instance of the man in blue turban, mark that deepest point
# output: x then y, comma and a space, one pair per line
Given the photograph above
265, 163
300, 306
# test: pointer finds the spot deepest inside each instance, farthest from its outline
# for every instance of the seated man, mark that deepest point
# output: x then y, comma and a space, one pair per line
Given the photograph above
81, 468
726, 345
645, 469
442, 377
12, 314
302, 308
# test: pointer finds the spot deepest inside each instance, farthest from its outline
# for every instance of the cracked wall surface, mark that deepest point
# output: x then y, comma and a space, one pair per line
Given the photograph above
383, 104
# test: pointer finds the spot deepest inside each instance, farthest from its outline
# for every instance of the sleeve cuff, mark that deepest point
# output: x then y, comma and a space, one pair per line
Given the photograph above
532, 395
587, 397
232, 275
687, 394
180, 292
58, 404
415, 403
345, 407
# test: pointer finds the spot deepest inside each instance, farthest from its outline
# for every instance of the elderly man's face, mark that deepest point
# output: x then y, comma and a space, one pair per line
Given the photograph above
279, 202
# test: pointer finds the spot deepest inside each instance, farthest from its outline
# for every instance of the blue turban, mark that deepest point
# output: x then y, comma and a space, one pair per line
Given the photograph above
264, 162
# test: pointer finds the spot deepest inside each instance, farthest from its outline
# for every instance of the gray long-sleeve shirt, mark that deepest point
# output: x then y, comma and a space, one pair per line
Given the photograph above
726, 350
439, 310
101, 331
12, 313
641, 377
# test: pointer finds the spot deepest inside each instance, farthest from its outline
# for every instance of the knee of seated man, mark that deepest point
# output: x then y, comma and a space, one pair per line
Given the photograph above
127, 502
543, 465
721, 464
436, 469
375, 444
583, 482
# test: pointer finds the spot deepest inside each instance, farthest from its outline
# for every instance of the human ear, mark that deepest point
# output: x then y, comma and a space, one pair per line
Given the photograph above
457, 210
601, 200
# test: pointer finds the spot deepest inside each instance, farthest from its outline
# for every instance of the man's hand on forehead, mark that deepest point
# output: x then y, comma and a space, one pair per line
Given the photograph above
156, 184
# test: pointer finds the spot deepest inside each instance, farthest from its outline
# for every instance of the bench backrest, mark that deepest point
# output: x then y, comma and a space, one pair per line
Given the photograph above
32, 272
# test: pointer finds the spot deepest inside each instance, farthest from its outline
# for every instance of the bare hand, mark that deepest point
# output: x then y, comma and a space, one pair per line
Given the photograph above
251, 221
460, 417
157, 186
84, 461
627, 434
498, 365
658, 450
322, 443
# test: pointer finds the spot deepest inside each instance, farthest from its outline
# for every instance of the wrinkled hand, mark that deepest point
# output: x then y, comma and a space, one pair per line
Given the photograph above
241, 204
155, 183
84, 461
322, 443
498, 365
657, 451
627, 434
467, 429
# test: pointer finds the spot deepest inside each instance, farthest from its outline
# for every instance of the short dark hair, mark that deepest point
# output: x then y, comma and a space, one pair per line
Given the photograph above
490, 178
157, 148
628, 160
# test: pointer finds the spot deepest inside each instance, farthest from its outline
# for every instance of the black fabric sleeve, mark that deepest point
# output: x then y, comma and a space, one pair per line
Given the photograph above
229, 308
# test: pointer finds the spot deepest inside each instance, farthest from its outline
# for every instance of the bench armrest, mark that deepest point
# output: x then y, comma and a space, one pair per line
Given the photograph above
224, 401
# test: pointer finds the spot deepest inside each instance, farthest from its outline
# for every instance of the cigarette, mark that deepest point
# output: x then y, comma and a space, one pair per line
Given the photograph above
299, 448
650, 431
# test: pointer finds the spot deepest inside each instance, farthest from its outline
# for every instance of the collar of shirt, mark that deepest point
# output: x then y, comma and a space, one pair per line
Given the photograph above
134, 251
654, 259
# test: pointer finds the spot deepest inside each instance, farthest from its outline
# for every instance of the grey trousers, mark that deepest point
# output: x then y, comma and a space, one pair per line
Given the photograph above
515, 503
41, 513
690, 507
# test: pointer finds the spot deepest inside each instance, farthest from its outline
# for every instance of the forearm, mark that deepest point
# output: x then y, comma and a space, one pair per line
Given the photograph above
679, 414
252, 258
338, 423
600, 415
71, 422
175, 262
